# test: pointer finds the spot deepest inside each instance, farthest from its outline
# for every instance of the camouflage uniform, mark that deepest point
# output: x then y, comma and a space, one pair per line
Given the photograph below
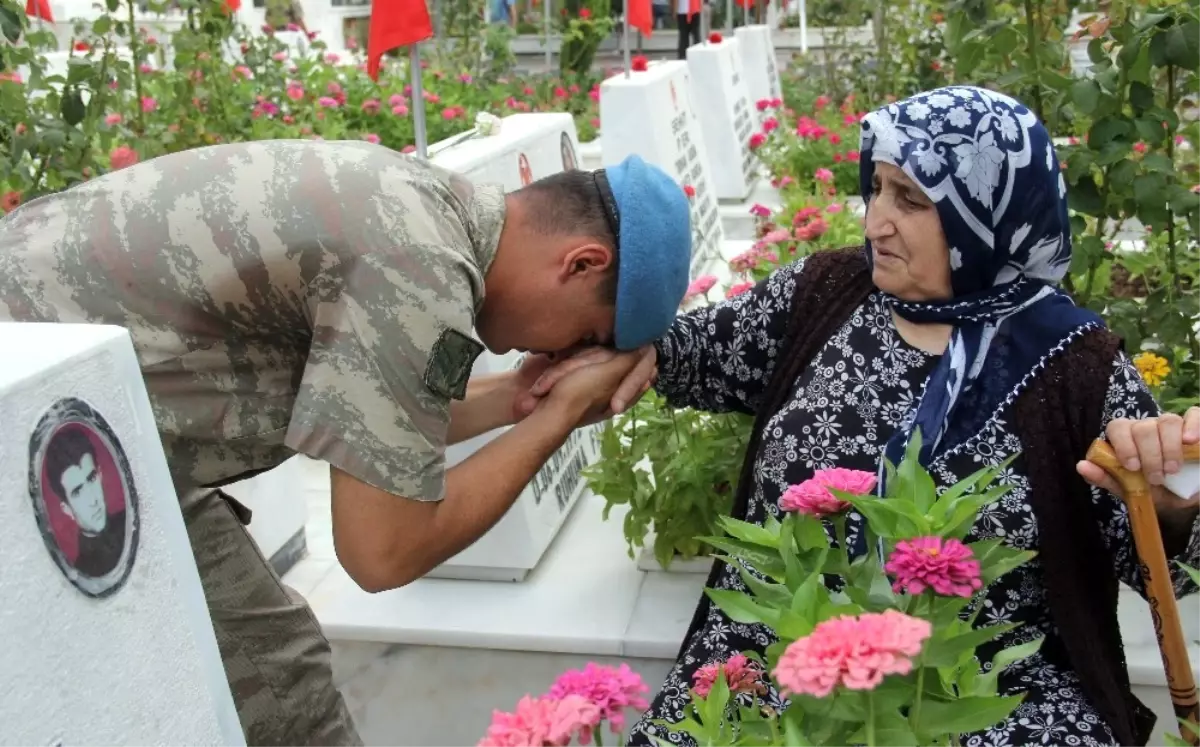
282, 296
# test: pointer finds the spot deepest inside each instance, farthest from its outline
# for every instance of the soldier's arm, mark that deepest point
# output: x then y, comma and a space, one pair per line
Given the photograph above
385, 542
487, 406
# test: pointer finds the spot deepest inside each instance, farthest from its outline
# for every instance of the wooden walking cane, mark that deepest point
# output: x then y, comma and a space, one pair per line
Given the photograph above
1156, 575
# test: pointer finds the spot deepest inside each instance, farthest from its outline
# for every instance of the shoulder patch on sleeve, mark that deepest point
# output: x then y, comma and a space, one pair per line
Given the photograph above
450, 363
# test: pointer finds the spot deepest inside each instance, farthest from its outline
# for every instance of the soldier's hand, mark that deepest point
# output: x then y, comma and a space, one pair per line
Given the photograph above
631, 389
592, 380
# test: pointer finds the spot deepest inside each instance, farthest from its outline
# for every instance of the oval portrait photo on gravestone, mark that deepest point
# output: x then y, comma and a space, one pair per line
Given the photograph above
568, 153
525, 170
83, 497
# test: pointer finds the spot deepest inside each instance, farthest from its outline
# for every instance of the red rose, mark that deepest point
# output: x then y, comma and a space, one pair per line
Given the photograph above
689, 190
639, 63
715, 38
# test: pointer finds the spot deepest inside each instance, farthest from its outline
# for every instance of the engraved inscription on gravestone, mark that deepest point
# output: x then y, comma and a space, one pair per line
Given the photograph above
691, 172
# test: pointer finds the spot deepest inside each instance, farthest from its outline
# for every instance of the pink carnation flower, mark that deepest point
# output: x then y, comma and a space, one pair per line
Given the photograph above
853, 652
611, 689
743, 675
946, 566
543, 722
813, 497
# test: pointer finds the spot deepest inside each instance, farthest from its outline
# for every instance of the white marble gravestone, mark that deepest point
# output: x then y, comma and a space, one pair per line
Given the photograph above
758, 57
726, 120
107, 636
528, 147
651, 114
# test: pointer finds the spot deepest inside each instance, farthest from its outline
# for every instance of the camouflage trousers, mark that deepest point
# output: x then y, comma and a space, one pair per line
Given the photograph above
275, 655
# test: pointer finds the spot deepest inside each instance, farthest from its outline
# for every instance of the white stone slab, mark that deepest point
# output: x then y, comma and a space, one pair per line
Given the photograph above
108, 638
652, 114
528, 147
727, 119
758, 56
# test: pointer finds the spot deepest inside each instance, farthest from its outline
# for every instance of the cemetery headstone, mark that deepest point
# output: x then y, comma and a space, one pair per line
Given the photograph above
726, 121
528, 147
652, 114
758, 57
108, 636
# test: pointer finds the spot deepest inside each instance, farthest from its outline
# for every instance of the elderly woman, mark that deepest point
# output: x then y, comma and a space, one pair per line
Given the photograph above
950, 322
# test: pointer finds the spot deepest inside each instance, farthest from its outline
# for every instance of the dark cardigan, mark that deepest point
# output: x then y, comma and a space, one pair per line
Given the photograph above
1056, 417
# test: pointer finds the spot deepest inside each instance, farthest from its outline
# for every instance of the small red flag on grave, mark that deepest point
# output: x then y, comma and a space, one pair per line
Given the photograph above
233, 6
395, 23
640, 16
39, 9
693, 9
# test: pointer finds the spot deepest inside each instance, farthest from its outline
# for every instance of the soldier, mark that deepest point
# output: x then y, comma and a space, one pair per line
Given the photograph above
319, 297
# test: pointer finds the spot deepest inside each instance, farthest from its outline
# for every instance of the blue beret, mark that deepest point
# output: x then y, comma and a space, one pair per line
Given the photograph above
654, 250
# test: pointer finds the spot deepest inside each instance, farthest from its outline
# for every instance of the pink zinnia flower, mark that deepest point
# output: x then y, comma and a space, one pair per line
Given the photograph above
370, 106
834, 208
371, 137
611, 689
759, 211
756, 140
542, 721
409, 149
743, 675
122, 156
149, 104
813, 496
397, 99
853, 652
739, 289
778, 236
699, 287
1139, 147
823, 175
785, 181
295, 93
946, 566
769, 124
112, 119
812, 230
465, 78
279, 56
763, 104
327, 102
400, 110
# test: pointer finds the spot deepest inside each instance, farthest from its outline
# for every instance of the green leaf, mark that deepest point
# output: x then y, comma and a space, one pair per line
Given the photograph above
1096, 52
71, 107
1149, 189
102, 25
1193, 573
10, 23
1119, 176
1156, 162
964, 714
1141, 96
773, 595
112, 5
1109, 129
996, 559
747, 532
809, 533
741, 608
1183, 45
1086, 95
945, 652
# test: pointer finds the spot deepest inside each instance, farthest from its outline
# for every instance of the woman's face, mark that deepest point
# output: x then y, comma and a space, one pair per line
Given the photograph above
911, 258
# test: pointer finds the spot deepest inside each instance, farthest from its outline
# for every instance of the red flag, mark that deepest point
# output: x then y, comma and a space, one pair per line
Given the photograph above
233, 5
395, 23
39, 9
693, 9
640, 16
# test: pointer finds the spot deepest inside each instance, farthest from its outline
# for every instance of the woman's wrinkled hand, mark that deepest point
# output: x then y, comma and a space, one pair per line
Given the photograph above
1153, 446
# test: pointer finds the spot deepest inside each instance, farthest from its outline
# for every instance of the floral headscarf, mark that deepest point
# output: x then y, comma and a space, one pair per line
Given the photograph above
990, 169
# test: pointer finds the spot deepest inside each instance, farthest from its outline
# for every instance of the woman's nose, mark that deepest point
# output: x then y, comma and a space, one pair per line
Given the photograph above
878, 222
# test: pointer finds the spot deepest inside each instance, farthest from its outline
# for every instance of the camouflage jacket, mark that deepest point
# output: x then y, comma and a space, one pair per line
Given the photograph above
282, 296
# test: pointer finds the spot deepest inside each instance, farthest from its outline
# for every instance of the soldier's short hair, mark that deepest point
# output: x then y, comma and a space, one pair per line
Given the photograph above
569, 204
66, 450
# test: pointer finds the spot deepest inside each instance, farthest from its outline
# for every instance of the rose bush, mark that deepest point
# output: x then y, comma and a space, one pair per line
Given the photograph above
121, 101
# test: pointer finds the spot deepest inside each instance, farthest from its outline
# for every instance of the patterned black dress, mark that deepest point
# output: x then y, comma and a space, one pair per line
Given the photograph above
851, 398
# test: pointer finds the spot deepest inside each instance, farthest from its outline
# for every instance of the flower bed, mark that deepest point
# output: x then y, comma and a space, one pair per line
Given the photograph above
122, 99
